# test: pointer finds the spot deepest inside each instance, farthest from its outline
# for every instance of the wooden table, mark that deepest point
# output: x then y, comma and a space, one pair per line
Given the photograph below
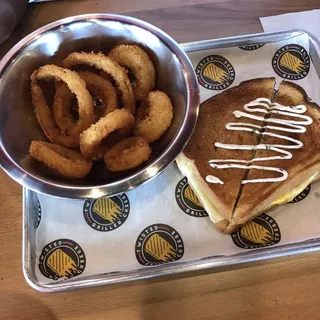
286, 288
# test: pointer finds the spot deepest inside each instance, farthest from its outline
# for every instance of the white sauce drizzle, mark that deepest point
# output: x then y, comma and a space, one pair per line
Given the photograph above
213, 179
286, 125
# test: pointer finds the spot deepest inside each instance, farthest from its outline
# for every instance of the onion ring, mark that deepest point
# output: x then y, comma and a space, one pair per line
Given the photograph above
44, 114
138, 62
120, 120
104, 63
127, 154
61, 108
97, 86
69, 163
154, 116
102, 88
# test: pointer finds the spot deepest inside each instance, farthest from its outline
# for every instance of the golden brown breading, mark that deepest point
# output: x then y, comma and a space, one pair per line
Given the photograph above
138, 62
127, 154
91, 139
104, 63
44, 113
67, 162
154, 116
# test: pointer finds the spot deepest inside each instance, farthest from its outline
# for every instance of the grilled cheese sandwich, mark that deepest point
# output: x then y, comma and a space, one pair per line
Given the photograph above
236, 178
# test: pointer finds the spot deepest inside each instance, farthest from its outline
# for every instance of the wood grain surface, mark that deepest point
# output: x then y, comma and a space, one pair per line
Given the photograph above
285, 288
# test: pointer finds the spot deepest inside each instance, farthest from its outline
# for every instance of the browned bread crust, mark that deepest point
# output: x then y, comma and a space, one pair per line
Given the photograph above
214, 114
305, 162
231, 205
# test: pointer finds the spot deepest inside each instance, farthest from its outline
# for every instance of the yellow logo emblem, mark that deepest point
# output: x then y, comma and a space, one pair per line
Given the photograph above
291, 62
215, 72
107, 209
62, 258
157, 244
260, 232
106, 214
256, 233
160, 248
61, 263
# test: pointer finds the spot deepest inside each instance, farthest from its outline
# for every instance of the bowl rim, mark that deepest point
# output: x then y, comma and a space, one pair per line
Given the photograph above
40, 185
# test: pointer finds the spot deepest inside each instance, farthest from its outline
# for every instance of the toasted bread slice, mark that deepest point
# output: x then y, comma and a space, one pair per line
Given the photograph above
219, 199
303, 168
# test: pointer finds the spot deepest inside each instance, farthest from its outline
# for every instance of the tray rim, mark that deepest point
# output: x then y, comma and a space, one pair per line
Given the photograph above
174, 268
254, 37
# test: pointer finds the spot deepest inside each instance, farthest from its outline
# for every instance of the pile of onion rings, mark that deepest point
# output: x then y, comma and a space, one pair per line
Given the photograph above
99, 114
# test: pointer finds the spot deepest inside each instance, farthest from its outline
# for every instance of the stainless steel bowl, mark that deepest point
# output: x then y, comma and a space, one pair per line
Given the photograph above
91, 32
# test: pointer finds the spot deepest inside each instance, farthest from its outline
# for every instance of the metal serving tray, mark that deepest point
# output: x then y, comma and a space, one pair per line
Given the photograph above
30, 205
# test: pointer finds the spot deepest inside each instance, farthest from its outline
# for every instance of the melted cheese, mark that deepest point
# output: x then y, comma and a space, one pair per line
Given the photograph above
188, 168
294, 192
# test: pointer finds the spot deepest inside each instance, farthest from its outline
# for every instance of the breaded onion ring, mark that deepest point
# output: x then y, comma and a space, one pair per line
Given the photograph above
44, 114
69, 163
138, 62
101, 62
61, 108
154, 116
127, 154
120, 120
101, 88
98, 88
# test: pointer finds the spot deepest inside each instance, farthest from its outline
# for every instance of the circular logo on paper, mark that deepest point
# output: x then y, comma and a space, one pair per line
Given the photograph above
158, 244
62, 258
188, 201
291, 62
106, 214
302, 195
261, 232
38, 218
252, 47
215, 72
